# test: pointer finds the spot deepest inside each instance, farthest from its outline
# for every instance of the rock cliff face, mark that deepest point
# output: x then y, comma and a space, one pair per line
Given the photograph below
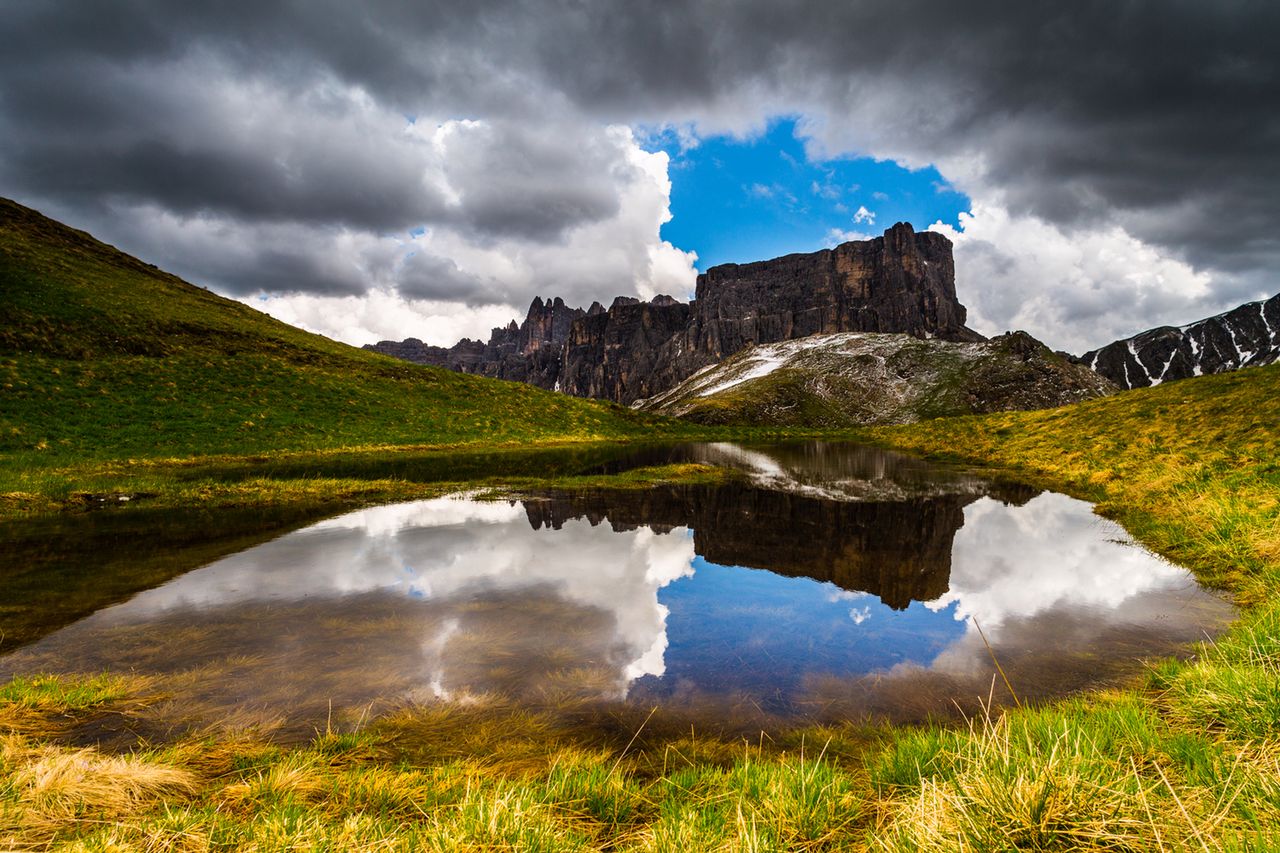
1242, 337
622, 354
528, 352
901, 282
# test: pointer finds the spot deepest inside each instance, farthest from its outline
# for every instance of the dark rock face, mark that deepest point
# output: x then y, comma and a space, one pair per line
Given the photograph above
412, 349
619, 354
901, 282
1242, 337
528, 352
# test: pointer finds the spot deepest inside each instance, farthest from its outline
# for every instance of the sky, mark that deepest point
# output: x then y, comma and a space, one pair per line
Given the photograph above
391, 169
746, 199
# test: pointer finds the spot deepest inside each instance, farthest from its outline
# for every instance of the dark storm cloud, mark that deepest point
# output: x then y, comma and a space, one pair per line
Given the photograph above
281, 269
423, 276
1157, 116
282, 117
531, 180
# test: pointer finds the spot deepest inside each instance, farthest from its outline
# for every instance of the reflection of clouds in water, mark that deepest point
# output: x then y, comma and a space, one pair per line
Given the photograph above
1065, 599
666, 558
460, 599
449, 549
1052, 569
836, 594
434, 648
441, 512
1053, 552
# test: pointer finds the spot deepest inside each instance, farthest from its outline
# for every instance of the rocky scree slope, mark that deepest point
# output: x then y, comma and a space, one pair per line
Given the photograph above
1247, 336
853, 378
901, 282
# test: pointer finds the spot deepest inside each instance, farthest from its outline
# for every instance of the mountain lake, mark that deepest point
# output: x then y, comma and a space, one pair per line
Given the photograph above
828, 581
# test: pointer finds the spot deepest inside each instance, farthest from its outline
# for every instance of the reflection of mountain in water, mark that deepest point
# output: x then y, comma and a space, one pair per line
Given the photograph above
898, 550
829, 470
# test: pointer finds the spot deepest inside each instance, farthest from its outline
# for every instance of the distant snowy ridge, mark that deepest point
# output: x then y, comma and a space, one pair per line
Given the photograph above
1247, 336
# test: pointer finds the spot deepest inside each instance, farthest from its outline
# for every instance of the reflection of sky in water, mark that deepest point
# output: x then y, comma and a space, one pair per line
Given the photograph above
754, 631
448, 550
455, 597
1029, 574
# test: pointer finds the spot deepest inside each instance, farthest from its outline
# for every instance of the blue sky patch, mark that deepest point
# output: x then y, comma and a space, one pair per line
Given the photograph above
740, 200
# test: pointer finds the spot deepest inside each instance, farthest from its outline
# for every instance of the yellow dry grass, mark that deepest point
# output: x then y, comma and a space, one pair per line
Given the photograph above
53, 788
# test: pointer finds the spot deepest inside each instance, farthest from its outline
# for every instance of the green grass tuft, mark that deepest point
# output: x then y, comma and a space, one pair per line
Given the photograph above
62, 694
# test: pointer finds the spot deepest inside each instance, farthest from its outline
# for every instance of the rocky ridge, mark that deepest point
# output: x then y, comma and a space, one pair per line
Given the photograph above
901, 282
854, 378
1246, 336
527, 352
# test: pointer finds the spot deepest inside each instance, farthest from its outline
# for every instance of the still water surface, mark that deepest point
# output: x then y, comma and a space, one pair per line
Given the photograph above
832, 581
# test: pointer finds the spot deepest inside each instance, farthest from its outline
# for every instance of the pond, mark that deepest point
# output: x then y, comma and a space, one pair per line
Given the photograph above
830, 582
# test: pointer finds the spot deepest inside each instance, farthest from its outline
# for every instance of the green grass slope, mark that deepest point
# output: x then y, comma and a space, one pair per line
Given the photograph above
103, 356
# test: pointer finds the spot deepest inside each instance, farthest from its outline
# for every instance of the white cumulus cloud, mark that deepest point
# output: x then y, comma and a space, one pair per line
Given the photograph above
1075, 290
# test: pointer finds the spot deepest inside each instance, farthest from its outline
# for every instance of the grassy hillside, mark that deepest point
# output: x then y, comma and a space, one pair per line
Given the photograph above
103, 356
1191, 467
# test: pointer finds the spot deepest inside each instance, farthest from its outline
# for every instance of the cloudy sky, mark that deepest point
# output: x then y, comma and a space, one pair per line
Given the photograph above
384, 169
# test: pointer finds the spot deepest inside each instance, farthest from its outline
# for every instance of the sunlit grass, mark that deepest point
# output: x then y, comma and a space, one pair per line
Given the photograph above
1105, 773
51, 693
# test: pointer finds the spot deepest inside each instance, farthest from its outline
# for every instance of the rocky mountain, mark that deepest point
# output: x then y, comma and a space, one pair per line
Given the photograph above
901, 282
627, 352
1242, 337
528, 352
856, 378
